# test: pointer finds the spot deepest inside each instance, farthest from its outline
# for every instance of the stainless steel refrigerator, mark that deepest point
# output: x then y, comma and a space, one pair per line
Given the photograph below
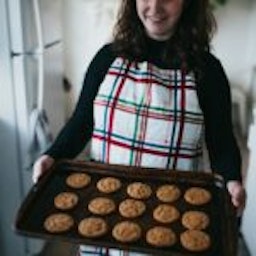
31, 100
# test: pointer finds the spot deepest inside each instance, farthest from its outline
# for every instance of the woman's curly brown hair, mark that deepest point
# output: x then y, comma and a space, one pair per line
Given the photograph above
191, 40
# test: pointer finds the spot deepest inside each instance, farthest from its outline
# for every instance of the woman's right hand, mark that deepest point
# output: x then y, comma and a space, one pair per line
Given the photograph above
41, 166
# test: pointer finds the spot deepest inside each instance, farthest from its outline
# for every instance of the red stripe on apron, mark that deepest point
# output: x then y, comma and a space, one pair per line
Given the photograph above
111, 115
144, 121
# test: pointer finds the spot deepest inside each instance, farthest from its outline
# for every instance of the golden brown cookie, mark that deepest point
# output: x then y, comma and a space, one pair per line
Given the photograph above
92, 227
78, 180
139, 190
168, 193
195, 240
197, 196
101, 205
131, 208
66, 200
195, 220
58, 222
108, 185
161, 236
126, 232
165, 213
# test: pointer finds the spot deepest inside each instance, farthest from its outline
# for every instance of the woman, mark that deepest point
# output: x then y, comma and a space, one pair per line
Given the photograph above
151, 96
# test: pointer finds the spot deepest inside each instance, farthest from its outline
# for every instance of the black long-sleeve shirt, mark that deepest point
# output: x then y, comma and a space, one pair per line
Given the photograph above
214, 98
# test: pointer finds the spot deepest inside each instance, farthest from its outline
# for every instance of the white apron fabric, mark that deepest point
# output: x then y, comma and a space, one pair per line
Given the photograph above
149, 117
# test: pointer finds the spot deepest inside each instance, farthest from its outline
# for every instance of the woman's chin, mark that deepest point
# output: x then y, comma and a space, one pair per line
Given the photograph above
159, 36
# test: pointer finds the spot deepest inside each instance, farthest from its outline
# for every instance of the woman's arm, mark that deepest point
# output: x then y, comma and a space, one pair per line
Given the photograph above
224, 154
215, 100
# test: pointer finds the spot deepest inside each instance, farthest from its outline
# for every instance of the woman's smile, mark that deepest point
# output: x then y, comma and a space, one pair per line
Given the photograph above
159, 17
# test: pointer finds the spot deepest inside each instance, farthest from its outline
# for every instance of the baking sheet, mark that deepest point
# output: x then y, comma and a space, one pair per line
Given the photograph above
38, 205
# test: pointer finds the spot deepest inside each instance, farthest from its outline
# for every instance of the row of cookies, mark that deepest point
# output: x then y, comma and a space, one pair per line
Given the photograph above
129, 231
132, 208
165, 193
124, 231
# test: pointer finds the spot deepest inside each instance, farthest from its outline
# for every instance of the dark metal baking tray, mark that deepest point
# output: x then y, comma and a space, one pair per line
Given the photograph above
39, 204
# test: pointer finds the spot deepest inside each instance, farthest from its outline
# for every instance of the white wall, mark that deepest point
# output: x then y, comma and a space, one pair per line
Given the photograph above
87, 26
249, 221
235, 41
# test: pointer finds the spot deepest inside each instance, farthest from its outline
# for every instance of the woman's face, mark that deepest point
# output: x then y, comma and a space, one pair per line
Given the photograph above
159, 17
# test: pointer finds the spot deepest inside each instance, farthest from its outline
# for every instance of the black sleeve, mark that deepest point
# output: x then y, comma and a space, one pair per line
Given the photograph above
78, 130
215, 100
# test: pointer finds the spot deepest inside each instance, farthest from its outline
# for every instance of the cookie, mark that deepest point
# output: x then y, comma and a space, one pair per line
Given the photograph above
195, 240
161, 237
92, 227
195, 220
126, 232
165, 213
108, 185
101, 206
66, 200
168, 193
197, 196
58, 223
78, 180
139, 190
131, 208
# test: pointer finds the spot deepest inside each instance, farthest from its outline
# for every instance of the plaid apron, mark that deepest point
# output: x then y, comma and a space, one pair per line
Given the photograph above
149, 117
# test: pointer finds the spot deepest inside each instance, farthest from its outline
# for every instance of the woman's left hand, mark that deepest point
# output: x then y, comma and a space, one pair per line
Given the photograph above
238, 195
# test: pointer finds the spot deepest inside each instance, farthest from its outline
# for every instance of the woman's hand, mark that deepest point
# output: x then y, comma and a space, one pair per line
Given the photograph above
41, 166
238, 195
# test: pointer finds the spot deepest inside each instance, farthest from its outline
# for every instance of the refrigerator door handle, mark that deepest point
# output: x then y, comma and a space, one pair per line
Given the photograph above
40, 55
39, 126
